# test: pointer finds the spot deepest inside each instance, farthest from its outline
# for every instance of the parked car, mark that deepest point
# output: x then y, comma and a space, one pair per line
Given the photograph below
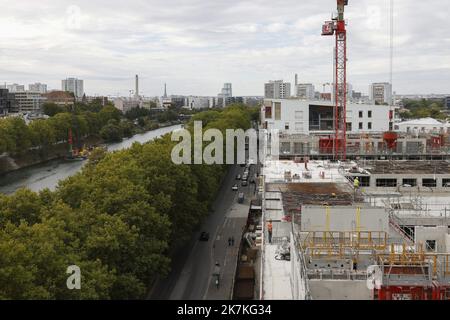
244, 183
204, 236
235, 187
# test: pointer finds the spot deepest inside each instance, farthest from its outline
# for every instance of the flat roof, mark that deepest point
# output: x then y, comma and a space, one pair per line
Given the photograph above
275, 171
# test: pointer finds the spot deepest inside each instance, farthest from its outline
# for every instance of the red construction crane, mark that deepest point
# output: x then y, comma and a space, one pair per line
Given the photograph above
337, 27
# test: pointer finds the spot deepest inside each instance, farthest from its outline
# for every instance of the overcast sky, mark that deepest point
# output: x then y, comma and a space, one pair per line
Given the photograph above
197, 45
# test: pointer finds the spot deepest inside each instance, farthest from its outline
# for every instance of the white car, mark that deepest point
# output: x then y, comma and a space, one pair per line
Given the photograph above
235, 187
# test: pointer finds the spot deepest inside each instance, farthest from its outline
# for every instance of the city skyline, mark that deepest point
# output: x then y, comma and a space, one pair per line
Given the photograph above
196, 56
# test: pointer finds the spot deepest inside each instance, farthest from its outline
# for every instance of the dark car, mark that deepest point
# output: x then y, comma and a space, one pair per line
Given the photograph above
204, 236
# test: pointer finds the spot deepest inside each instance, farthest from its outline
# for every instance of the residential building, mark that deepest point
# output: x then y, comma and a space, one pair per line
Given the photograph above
126, 104
423, 126
349, 92
7, 102
38, 87
277, 90
75, 86
225, 95
29, 102
296, 116
197, 102
381, 93
447, 103
13, 87
305, 91
61, 98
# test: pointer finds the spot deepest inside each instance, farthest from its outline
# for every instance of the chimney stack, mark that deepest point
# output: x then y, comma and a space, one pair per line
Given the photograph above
136, 92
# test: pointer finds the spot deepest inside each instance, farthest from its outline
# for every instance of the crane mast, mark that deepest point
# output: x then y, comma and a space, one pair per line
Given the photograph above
337, 27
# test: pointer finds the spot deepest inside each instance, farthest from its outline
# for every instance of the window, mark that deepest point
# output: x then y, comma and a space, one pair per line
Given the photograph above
389, 183
349, 126
430, 245
360, 126
268, 112
446, 183
369, 114
298, 114
429, 183
369, 125
410, 182
285, 147
277, 111
361, 114
286, 126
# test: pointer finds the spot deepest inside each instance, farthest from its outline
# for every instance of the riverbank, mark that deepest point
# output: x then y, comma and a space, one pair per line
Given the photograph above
35, 157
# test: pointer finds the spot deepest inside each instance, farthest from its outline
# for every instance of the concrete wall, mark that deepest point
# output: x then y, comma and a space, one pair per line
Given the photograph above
340, 290
419, 177
314, 218
439, 234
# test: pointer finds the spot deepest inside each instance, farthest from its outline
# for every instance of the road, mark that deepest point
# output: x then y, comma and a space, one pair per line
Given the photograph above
190, 278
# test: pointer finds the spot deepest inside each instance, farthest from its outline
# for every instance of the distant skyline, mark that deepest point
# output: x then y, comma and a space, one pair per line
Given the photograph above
196, 46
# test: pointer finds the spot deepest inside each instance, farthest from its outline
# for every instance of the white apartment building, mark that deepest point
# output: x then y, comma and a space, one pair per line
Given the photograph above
425, 125
197, 102
296, 116
305, 91
126, 104
13, 87
380, 93
29, 102
38, 87
277, 90
75, 86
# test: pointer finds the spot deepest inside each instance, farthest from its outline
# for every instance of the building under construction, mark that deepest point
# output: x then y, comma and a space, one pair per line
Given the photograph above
351, 208
373, 242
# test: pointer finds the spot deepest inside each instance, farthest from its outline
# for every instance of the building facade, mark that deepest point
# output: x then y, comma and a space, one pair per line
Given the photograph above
38, 87
13, 87
75, 86
7, 102
381, 93
447, 103
29, 102
425, 125
305, 91
295, 116
277, 90
61, 98
126, 104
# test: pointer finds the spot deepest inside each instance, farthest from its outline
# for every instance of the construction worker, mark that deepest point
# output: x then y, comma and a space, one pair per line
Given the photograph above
356, 187
356, 183
269, 230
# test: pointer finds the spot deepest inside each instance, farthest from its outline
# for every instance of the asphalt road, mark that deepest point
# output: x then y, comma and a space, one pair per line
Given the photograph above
191, 270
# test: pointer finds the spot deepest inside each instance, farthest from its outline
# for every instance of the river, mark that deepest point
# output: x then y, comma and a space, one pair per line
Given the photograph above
48, 174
